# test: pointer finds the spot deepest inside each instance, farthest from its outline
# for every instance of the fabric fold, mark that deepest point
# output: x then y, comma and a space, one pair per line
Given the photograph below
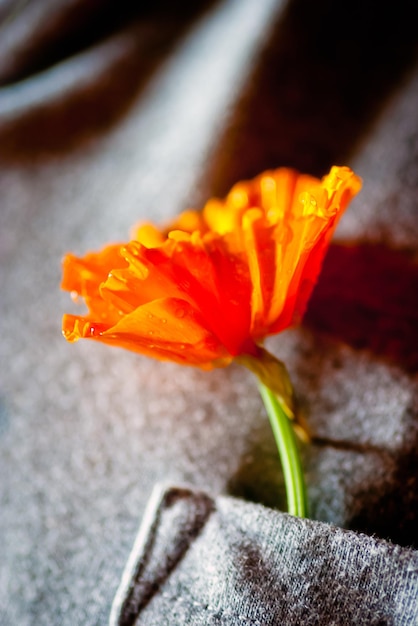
201, 560
172, 520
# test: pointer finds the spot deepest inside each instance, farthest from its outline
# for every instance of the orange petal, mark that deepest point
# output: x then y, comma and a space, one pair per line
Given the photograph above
166, 329
317, 206
83, 277
148, 235
218, 284
260, 250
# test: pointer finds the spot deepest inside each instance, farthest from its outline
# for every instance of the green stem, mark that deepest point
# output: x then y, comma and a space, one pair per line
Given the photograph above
288, 452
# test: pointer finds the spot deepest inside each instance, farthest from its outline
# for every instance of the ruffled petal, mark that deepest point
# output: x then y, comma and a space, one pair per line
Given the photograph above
83, 277
316, 209
218, 284
166, 329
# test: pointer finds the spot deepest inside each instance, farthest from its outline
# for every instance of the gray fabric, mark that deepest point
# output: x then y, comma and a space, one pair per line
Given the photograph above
137, 118
202, 561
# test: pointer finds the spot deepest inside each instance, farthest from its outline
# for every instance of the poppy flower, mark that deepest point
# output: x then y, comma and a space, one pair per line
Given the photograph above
213, 284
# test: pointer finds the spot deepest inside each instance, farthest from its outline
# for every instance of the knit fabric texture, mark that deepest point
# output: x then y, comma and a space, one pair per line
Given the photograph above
220, 561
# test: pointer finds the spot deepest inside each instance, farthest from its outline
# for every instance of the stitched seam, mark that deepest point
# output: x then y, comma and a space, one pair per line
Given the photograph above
220, 613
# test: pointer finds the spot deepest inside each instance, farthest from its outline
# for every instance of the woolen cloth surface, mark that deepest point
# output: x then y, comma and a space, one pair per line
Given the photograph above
204, 561
110, 115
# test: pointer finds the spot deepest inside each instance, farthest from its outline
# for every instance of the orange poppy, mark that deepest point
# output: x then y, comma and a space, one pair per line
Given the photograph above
214, 283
